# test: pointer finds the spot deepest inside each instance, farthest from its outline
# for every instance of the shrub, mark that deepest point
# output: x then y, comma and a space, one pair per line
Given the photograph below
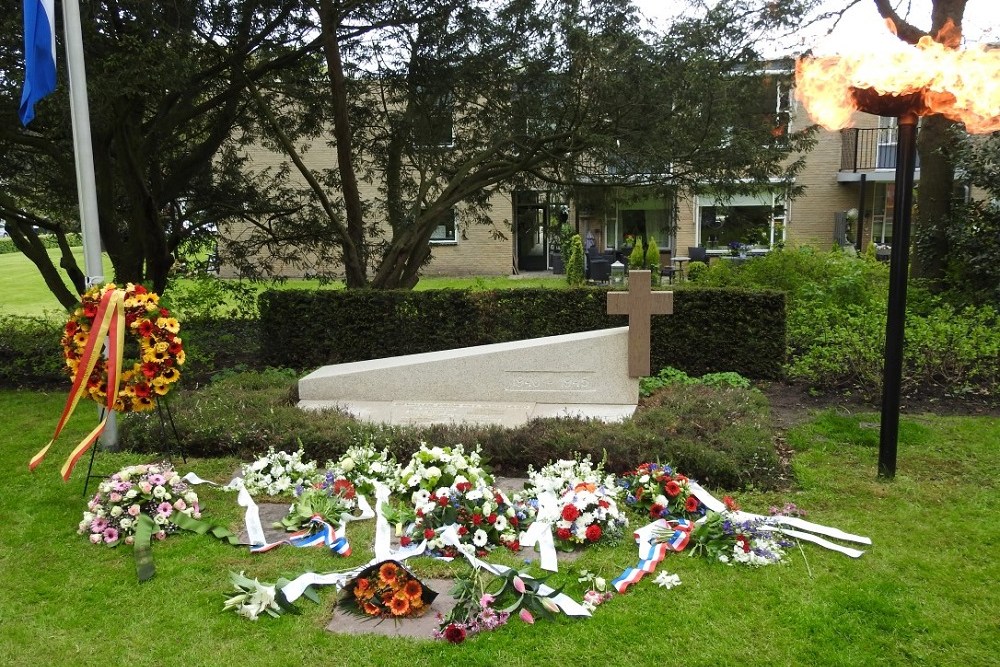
574, 266
30, 355
670, 376
637, 258
48, 241
696, 271
652, 260
718, 436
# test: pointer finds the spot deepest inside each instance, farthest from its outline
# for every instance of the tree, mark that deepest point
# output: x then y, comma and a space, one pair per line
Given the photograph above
574, 265
529, 95
168, 87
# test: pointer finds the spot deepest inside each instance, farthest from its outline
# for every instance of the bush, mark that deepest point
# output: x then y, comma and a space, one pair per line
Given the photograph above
719, 436
574, 266
696, 271
637, 258
669, 377
30, 355
711, 330
48, 241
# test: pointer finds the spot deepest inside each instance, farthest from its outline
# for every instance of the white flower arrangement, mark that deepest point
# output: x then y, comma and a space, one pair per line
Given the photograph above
587, 514
156, 490
279, 473
363, 465
562, 475
433, 468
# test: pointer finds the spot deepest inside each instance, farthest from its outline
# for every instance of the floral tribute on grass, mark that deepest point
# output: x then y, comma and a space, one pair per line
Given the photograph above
657, 492
484, 518
482, 606
279, 473
432, 468
107, 314
160, 357
334, 499
364, 465
142, 503
156, 491
728, 538
254, 598
585, 502
387, 590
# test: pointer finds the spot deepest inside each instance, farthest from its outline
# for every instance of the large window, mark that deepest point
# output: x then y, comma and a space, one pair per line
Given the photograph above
754, 220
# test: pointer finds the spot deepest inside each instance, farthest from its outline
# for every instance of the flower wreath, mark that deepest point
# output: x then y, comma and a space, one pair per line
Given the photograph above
160, 350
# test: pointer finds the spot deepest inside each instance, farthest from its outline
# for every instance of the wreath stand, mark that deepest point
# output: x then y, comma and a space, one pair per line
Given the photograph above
162, 406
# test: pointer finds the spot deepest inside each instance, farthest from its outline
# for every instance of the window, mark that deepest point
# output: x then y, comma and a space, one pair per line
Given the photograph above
434, 123
444, 233
754, 220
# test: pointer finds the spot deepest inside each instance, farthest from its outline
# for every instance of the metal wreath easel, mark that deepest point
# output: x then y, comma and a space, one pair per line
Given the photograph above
162, 406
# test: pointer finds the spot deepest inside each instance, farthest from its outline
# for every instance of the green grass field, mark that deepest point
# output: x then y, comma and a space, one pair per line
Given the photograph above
924, 594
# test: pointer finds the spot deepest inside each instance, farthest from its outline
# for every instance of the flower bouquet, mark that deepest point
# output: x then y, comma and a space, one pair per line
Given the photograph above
387, 590
485, 517
564, 474
587, 514
155, 490
363, 465
279, 473
331, 499
432, 468
723, 537
660, 492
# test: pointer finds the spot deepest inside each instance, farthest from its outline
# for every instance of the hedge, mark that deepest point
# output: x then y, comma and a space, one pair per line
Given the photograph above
711, 329
48, 241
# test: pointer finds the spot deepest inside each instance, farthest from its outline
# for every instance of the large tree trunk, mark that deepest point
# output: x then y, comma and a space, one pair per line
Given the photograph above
354, 249
937, 176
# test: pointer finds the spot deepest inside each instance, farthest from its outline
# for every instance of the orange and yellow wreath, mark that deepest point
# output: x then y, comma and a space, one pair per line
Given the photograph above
160, 351
107, 313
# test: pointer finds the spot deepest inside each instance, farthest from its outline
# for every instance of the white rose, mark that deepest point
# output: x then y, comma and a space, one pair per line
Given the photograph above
161, 520
433, 473
131, 493
159, 492
126, 523
487, 508
258, 465
190, 497
347, 464
116, 511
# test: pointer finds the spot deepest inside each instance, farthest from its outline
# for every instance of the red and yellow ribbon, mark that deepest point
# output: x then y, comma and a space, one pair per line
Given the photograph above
109, 322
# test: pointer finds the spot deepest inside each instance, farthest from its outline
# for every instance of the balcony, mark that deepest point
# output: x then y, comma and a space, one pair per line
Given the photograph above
870, 151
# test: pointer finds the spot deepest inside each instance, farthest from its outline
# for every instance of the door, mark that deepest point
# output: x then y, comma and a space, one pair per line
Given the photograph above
532, 238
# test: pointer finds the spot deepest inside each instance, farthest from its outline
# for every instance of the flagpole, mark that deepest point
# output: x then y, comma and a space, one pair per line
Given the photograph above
86, 182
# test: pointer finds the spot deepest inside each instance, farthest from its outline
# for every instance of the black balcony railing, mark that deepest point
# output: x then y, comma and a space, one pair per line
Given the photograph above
868, 149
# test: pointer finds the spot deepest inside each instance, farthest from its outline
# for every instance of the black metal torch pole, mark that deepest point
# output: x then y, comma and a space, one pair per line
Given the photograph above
892, 374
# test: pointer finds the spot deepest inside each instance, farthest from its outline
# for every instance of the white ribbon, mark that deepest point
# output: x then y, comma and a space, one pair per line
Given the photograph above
714, 504
255, 531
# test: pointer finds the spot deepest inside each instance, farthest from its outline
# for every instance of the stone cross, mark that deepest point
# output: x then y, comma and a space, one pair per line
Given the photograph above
639, 303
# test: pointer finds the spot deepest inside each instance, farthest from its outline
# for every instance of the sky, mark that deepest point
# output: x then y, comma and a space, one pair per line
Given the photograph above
862, 24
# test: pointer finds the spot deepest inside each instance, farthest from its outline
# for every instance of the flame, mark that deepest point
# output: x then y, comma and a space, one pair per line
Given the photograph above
962, 85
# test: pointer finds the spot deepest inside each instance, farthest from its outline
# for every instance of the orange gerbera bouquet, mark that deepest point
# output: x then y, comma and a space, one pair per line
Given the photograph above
387, 590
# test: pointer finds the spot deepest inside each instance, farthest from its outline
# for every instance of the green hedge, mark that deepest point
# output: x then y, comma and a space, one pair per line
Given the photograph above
30, 355
711, 329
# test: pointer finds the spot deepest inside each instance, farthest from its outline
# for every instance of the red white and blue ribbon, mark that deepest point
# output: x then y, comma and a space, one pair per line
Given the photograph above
652, 551
319, 533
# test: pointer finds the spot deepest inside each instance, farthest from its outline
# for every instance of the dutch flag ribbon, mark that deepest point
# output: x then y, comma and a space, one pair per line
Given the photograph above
652, 551
319, 533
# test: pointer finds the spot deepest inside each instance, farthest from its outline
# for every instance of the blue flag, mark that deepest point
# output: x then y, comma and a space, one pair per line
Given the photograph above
39, 55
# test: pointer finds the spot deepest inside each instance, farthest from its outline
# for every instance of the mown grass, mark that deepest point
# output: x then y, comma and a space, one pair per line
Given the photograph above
924, 594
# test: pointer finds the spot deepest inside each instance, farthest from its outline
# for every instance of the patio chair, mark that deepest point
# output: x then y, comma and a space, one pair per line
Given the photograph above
697, 254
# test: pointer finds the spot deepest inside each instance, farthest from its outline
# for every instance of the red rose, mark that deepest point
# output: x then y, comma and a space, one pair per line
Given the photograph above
514, 545
420, 512
672, 488
603, 503
477, 519
462, 530
405, 541
428, 533
744, 543
454, 633
691, 504
492, 518
499, 498
570, 513
464, 486
164, 312
563, 533
513, 521
594, 533
442, 500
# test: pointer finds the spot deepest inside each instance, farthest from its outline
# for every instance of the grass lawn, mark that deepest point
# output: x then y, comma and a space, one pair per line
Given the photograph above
924, 594
23, 292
